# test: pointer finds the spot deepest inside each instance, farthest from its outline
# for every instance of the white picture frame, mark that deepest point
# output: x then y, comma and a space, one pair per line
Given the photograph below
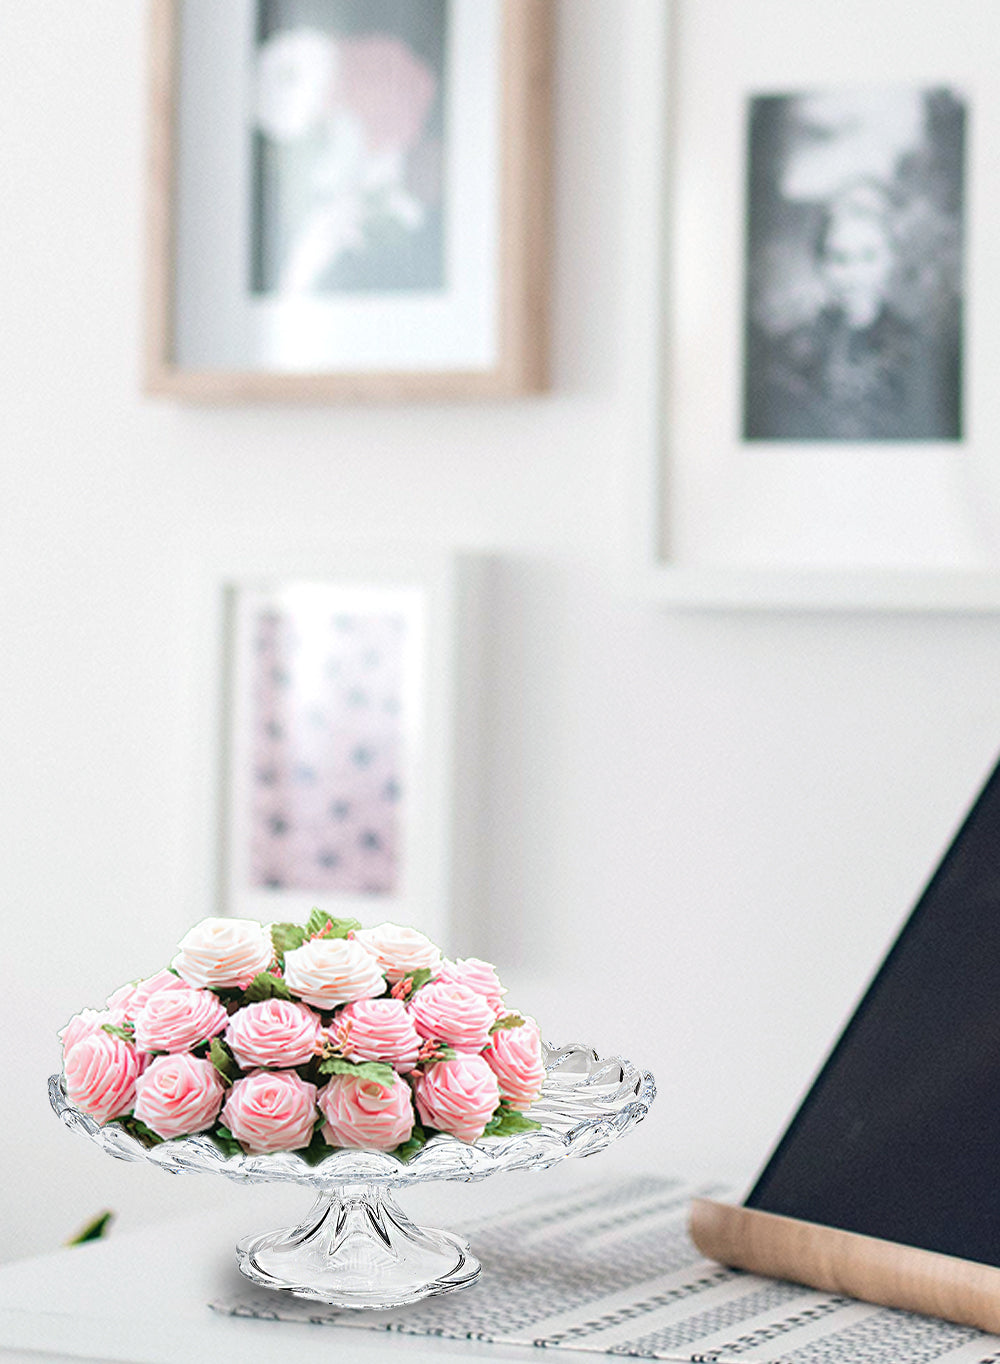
907, 526
435, 593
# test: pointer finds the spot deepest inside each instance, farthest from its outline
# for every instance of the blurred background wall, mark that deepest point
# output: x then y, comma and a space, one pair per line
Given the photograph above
701, 830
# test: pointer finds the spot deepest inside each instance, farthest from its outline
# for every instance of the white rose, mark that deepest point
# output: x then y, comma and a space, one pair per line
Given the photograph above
331, 971
224, 952
399, 950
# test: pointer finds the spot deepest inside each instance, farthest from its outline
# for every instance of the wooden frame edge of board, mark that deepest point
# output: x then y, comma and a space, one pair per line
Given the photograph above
524, 243
835, 1261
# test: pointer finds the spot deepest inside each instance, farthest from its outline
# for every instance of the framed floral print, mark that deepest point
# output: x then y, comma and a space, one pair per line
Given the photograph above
348, 199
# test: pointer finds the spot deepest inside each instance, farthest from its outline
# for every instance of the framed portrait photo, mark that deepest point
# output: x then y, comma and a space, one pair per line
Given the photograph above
823, 423
348, 199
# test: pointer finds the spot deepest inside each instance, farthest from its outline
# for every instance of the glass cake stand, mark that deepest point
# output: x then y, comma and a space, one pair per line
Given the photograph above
357, 1248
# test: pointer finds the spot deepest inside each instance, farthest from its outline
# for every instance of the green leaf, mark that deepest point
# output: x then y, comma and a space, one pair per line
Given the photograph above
223, 1061
286, 937
507, 1021
361, 1070
225, 1140
409, 1148
409, 985
94, 1229
508, 1121
265, 986
126, 1031
143, 1134
320, 922
318, 1148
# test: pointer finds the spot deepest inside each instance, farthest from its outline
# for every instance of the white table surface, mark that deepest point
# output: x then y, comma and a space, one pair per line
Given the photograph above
142, 1296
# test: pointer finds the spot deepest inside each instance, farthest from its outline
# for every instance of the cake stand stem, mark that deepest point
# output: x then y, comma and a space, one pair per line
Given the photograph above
357, 1248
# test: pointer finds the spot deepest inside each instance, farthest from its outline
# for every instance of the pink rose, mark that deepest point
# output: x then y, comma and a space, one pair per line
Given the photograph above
274, 1032
101, 1075
388, 87
120, 1000
454, 1014
458, 1096
478, 976
84, 1023
515, 1057
362, 1113
144, 990
178, 1095
176, 1020
224, 953
331, 971
376, 1030
271, 1110
399, 950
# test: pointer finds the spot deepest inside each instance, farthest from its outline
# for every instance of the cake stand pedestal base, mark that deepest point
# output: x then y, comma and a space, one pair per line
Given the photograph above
358, 1249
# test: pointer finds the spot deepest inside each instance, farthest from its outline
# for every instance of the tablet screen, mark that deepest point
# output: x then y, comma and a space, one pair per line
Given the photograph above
899, 1137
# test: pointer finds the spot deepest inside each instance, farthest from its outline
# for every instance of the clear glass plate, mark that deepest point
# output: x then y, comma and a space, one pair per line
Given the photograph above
357, 1248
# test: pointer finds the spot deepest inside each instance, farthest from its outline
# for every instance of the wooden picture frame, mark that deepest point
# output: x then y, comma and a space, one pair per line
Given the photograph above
721, 522
502, 276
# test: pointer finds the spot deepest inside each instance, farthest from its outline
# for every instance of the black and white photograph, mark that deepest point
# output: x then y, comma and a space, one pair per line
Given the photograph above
854, 263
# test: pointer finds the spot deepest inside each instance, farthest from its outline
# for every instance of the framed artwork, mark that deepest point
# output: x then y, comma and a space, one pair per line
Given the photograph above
337, 745
348, 199
325, 739
822, 427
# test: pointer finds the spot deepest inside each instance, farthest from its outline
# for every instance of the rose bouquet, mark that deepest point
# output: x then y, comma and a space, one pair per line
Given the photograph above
307, 1038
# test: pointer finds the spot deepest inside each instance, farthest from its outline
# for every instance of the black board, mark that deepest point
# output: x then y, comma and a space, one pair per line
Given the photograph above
899, 1136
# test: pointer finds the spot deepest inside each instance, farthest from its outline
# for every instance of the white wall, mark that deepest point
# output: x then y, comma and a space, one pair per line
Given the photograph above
702, 829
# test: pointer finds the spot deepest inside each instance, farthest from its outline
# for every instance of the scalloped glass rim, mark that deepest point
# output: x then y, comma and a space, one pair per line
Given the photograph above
587, 1102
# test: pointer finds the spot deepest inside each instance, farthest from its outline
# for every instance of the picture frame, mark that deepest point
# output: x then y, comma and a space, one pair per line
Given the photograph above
376, 650
347, 213
721, 522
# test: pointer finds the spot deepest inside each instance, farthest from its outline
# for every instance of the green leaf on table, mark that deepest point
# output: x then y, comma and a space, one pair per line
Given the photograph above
224, 1061
320, 924
225, 1140
506, 1122
265, 986
361, 1070
286, 937
507, 1021
93, 1231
